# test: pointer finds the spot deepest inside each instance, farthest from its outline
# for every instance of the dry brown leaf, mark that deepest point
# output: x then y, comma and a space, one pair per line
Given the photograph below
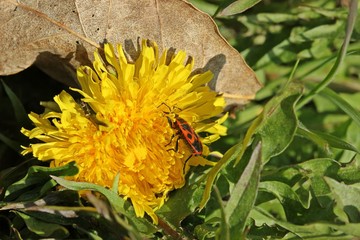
58, 36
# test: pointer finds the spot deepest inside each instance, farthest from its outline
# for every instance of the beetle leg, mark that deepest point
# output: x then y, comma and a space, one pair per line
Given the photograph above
176, 144
186, 163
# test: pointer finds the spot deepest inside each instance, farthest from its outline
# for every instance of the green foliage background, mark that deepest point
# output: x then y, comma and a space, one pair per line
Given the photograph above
290, 168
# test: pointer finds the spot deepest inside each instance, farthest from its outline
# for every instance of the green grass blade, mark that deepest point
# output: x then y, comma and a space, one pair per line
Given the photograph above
10, 143
224, 231
116, 201
342, 104
341, 56
243, 196
325, 140
19, 110
231, 154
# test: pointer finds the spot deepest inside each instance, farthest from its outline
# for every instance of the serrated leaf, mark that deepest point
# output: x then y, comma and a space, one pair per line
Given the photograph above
118, 203
315, 170
242, 197
347, 199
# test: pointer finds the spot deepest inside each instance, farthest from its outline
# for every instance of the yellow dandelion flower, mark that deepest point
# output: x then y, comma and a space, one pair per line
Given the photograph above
125, 123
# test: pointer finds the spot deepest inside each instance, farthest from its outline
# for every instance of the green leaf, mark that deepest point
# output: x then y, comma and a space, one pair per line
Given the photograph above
10, 175
204, 231
352, 136
322, 31
317, 230
7, 232
224, 230
353, 229
321, 191
342, 104
19, 110
238, 6
97, 222
231, 154
89, 220
284, 52
181, 204
37, 177
320, 167
340, 58
243, 195
107, 212
288, 183
284, 193
315, 170
288, 175
14, 145
347, 200
44, 229
336, 142
205, 6
276, 17
279, 121
65, 197
319, 49
351, 172
115, 200
118, 203
325, 140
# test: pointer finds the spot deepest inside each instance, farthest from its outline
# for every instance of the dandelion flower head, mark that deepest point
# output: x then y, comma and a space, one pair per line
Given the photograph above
125, 126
